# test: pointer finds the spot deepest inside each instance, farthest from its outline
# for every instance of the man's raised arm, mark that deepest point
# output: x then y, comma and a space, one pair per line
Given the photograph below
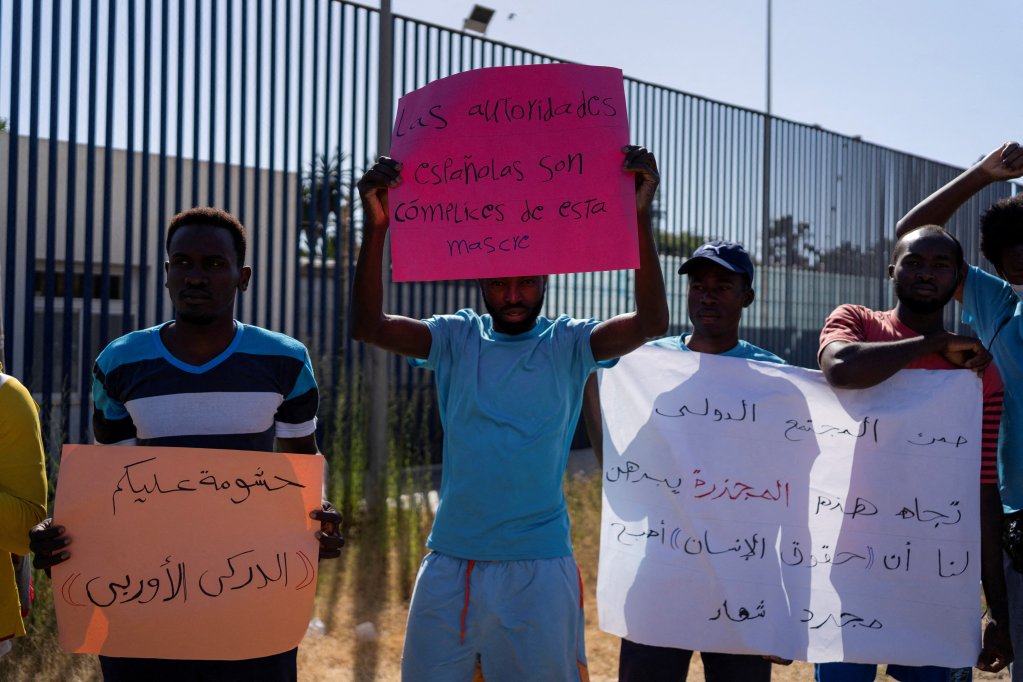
623, 333
395, 333
1004, 163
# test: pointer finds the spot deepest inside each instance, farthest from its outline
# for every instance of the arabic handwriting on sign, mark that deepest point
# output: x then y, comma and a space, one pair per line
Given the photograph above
140, 485
123, 591
632, 473
893, 561
921, 439
861, 507
866, 427
845, 619
938, 518
742, 614
739, 491
748, 410
745, 548
795, 557
752, 547
172, 579
629, 538
947, 568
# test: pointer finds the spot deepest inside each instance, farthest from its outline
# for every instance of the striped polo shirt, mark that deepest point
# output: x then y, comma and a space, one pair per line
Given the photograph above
260, 387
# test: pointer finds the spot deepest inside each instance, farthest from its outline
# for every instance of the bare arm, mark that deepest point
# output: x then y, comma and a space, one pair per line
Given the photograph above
862, 364
1004, 163
303, 445
395, 333
592, 419
623, 333
329, 535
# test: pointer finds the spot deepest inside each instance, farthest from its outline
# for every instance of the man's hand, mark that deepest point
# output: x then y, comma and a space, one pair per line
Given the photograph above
329, 534
641, 162
1004, 163
777, 660
373, 186
965, 352
997, 650
48, 545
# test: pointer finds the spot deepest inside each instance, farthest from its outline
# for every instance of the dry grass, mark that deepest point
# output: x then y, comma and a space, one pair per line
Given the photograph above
372, 583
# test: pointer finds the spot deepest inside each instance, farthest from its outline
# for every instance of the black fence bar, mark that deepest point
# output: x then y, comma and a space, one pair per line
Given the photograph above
10, 357
28, 330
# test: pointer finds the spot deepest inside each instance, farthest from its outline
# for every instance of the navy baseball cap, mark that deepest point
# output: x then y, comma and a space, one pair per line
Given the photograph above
729, 255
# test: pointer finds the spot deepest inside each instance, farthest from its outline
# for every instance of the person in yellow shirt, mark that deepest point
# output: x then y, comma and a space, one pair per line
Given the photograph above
22, 494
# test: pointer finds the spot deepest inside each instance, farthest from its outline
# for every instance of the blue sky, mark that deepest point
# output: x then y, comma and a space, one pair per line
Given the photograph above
937, 78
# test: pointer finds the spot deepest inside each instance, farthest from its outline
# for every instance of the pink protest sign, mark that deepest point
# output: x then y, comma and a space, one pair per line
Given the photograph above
513, 171
185, 552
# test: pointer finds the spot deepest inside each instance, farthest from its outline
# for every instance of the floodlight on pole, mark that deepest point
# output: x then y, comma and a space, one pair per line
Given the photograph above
478, 19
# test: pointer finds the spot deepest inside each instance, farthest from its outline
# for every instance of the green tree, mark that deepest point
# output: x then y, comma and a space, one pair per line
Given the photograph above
852, 259
325, 206
680, 244
791, 244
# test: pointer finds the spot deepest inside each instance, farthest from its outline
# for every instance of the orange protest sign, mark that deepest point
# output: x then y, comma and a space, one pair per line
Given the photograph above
185, 552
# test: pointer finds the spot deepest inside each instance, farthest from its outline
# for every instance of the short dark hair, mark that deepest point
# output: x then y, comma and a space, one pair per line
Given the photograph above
1001, 227
208, 216
933, 229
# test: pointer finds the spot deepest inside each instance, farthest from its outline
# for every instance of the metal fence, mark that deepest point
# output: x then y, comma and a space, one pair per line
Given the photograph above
120, 113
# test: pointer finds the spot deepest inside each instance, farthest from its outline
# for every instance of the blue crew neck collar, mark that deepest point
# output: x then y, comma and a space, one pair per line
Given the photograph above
206, 366
504, 338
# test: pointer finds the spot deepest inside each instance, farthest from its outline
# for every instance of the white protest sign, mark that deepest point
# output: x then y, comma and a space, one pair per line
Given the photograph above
751, 508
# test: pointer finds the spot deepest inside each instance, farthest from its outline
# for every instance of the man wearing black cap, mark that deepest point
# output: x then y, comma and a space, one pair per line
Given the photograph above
720, 287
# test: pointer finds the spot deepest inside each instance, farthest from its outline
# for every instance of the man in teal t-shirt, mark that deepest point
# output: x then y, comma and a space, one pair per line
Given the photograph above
992, 307
500, 592
720, 287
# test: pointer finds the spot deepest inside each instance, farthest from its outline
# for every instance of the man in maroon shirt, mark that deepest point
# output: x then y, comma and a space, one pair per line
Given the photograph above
860, 347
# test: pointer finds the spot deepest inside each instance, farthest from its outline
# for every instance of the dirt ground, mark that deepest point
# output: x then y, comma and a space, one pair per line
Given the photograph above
339, 655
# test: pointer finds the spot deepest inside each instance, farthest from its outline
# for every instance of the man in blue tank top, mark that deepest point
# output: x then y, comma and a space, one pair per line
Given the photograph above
500, 592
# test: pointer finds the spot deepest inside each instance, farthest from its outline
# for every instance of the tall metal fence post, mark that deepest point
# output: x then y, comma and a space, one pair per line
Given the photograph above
379, 381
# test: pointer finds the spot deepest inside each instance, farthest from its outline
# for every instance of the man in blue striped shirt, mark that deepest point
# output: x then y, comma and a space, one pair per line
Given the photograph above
203, 380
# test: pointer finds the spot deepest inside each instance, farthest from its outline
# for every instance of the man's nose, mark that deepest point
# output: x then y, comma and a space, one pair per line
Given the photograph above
512, 294
195, 275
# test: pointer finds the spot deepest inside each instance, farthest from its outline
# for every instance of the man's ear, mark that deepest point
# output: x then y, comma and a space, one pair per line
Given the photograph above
891, 271
166, 274
243, 278
749, 297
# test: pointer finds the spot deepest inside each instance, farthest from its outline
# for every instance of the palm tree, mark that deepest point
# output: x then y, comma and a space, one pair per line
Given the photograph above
324, 204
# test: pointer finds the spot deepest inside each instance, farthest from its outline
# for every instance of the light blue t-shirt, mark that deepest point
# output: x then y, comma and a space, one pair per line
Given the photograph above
744, 350
509, 405
996, 314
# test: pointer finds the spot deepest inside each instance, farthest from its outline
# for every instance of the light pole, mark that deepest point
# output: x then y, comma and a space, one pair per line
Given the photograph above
765, 218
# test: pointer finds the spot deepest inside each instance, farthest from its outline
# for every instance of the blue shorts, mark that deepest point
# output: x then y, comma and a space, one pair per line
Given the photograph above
516, 620
865, 672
